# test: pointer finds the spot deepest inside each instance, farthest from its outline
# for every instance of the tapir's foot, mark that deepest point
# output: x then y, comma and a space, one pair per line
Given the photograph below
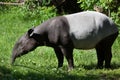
99, 67
70, 68
60, 65
107, 66
12, 61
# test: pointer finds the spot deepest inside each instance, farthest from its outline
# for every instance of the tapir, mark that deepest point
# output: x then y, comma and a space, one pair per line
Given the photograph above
83, 30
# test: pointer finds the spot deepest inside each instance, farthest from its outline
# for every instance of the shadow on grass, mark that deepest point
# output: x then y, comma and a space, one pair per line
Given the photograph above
7, 73
94, 66
27, 67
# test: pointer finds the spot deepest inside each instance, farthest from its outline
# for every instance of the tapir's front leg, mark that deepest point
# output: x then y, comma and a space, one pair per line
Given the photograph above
68, 52
60, 56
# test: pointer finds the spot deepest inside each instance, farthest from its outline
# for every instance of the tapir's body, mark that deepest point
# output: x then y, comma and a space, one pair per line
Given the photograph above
84, 30
87, 28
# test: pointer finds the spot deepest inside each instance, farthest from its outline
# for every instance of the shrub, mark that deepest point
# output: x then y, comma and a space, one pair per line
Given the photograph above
111, 7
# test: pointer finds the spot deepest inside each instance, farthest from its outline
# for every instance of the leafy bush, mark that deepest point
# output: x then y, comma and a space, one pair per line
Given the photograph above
37, 15
32, 8
111, 7
5, 7
39, 12
67, 6
38, 2
7, 0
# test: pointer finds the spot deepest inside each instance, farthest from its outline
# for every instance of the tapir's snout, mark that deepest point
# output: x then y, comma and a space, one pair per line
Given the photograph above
12, 61
16, 55
13, 57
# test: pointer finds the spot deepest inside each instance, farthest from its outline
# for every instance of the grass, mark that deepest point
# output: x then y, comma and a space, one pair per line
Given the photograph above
41, 64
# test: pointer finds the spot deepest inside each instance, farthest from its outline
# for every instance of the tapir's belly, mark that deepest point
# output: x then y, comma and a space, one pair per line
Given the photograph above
85, 42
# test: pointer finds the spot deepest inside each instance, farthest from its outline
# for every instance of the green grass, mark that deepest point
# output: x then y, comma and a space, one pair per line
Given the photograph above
41, 64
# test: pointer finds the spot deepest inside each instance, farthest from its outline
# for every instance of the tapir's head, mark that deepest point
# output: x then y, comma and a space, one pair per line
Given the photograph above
25, 44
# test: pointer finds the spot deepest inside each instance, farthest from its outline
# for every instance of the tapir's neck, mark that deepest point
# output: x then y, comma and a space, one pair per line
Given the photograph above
42, 31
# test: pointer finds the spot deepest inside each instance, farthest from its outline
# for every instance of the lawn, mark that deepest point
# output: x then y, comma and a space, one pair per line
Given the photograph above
41, 64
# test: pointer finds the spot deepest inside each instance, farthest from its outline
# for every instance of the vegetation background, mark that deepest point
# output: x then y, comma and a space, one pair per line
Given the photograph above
41, 64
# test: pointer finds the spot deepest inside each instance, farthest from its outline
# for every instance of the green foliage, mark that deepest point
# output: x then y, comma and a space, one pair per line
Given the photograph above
37, 16
111, 7
7, 0
45, 2
116, 17
87, 4
38, 2
31, 11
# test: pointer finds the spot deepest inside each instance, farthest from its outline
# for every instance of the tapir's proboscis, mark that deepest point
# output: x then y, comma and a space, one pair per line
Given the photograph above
83, 30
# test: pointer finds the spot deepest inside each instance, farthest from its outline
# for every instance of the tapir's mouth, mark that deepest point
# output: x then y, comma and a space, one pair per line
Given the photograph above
13, 57
13, 60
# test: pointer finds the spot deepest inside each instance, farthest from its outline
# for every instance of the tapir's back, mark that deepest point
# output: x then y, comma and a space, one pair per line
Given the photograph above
89, 27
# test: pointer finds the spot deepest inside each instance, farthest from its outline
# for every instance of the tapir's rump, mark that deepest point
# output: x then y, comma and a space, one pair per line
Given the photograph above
89, 27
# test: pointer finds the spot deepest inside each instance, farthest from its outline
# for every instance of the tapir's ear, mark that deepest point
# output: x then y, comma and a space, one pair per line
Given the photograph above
35, 36
30, 32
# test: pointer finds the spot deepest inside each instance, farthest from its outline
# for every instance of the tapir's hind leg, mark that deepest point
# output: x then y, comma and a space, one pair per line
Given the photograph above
104, 52
100, 55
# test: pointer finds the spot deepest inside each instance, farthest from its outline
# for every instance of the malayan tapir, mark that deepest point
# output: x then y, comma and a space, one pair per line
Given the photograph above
83, 30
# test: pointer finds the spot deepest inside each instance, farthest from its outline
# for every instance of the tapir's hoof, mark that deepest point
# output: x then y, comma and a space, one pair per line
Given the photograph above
99, 67
107, 67
70, 69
